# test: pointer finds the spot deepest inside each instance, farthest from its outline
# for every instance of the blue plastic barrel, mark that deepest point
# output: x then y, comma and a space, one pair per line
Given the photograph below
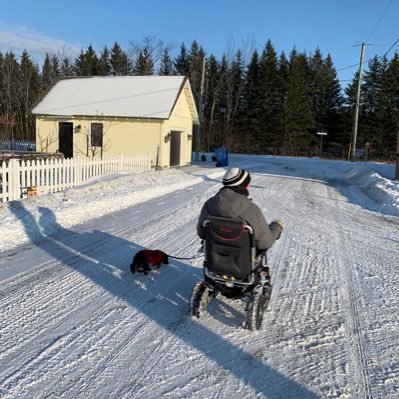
221, 156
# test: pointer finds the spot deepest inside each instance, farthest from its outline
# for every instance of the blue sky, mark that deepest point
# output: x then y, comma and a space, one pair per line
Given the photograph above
335, 26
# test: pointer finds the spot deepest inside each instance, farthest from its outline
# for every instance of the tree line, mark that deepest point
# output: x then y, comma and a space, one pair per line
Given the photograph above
251, 101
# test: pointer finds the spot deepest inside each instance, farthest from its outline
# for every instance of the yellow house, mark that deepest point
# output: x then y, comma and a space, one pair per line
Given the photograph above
112, 115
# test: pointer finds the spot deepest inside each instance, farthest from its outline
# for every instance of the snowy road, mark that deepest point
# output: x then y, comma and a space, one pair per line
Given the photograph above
76, 324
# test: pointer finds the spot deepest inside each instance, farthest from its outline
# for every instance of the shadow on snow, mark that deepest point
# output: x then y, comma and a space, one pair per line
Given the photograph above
86, 253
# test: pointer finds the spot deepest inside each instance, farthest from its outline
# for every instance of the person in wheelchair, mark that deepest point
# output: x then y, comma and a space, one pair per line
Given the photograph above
236, 237
232, 201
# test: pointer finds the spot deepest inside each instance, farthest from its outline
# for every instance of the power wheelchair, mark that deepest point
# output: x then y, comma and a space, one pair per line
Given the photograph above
233, 269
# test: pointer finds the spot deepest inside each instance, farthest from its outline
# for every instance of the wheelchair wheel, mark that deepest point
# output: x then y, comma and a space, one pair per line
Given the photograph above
199, 299
256, 307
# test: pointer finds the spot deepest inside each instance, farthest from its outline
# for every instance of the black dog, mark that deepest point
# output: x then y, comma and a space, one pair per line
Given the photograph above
144, 259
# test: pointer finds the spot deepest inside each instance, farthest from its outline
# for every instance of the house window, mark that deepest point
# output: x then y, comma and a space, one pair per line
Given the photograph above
96, 134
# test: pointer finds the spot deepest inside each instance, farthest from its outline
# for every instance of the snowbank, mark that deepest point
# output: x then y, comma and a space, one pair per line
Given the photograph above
90, 200
384, 192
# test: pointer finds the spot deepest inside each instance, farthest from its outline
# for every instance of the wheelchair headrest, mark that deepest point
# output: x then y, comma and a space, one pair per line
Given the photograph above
226, 229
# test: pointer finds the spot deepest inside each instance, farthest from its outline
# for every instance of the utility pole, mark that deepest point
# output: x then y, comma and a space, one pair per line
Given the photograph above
198, 141
354, 132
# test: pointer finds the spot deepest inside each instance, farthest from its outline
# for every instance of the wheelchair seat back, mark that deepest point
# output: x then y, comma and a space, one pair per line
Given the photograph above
229, 250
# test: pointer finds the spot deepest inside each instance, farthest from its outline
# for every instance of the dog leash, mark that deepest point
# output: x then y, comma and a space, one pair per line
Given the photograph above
193, 257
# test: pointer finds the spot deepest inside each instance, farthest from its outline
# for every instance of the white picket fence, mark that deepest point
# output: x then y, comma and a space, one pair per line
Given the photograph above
20, 178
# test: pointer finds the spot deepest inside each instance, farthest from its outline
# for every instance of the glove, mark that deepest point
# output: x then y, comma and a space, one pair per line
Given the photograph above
279, 222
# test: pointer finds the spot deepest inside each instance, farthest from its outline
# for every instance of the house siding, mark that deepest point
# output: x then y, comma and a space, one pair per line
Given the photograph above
180, 120
120, 136
47, 134
132, 137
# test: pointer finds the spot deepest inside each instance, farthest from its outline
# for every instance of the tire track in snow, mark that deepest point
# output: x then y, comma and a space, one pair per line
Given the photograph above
41, 300
350, 294
305, 287
363, 297
53, 269
17, 381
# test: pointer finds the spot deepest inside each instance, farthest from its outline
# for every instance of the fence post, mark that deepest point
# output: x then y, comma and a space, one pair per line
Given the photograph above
4, 185
14, 188
77, 170
121, 165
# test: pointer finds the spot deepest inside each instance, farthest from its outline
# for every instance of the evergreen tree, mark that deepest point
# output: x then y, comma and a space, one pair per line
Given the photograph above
195, 60
335, 117
279, 130
252, 103
66, 68
235, 83
48, 76
210, 102
79, 64
55, 62
299, 122
268, 134
350, 93
104, 64
215, 105
318, 87
181, 62
166, 67
3, 133
1, 75
90, 63
222, 105
334, 89
372, 84
29, 88
121, 65
371, 127
144, 64
326, 97
390, 88
349, 112
9, 96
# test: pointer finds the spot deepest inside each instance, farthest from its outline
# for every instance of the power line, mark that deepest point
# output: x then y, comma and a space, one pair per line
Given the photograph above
350, 66
371, 33
368, 38
376, 25
390, 48
355, 65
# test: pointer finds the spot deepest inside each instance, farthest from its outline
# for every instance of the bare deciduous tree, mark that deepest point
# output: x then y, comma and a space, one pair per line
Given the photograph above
92, 151
43, 144
153, 45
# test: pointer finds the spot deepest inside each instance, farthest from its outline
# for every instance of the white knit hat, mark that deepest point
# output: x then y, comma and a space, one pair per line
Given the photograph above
236, 177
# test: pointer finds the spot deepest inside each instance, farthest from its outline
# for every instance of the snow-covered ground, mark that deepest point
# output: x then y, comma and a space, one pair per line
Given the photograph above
76, 324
